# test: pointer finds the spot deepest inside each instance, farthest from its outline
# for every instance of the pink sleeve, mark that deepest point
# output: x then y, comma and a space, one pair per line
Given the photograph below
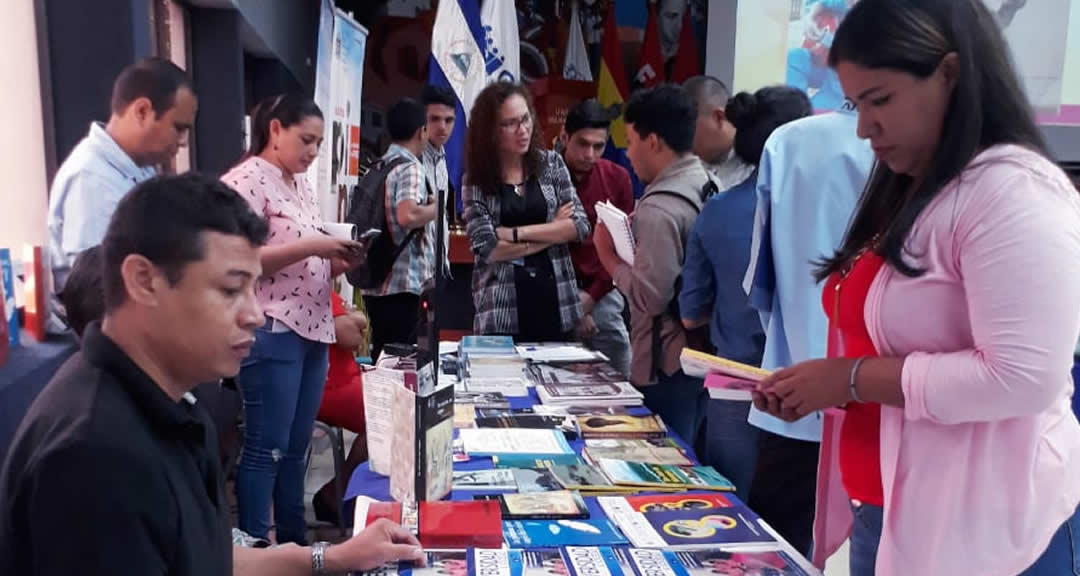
1016, 246
247, 184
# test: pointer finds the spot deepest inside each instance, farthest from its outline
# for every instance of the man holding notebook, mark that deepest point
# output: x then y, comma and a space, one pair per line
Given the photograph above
660, 125
597, 180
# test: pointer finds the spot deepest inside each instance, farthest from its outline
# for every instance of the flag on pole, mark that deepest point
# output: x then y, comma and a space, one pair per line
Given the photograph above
612, 89
576, 60
457, 62
650, 70
502, 53
686, 59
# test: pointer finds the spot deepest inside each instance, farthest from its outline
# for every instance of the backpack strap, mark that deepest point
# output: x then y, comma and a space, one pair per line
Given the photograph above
412, 233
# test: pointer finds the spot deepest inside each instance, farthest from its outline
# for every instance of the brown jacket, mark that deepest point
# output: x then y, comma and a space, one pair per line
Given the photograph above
662, 223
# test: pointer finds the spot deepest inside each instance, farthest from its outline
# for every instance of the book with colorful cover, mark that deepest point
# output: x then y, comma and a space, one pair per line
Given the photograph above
584, 478
596, 561
423, 438
558, 533
699, 364
683, 501
543, 562
653, 475
625, 426
720, 562
498, 480
487, 345
694, 528
652, 451
35, 311
531, 461
724, 387
437, 563
494, 562
601, 394
530, 480
557, 505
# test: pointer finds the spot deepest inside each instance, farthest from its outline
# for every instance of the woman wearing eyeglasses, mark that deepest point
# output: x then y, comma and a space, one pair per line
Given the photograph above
521, 211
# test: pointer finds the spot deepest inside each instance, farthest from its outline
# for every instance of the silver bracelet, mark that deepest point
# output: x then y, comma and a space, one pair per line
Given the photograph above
851, 380
318, 558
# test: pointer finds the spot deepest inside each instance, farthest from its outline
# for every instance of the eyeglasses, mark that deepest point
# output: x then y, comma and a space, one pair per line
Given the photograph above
515, 124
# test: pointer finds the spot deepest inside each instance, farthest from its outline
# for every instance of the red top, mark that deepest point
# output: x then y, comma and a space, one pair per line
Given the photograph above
607, 181
343, 368
860, 442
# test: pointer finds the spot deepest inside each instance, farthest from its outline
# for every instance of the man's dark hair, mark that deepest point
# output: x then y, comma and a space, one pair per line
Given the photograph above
83, 295
667, 111
708, 93
163, 220
404, 119
589, 114
438, 95
156, 79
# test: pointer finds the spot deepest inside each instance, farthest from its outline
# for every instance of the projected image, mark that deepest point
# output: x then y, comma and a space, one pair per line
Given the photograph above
815, 23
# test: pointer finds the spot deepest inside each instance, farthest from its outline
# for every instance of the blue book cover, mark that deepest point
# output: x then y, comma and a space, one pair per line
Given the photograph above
593, 561
733, 525
492, 562
714, 562
558, 533
437, 563
487, 345
7, 272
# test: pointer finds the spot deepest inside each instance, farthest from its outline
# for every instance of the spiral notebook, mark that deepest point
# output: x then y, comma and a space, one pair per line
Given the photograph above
618, 223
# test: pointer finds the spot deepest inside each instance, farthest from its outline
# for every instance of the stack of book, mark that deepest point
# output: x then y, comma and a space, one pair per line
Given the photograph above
589, 384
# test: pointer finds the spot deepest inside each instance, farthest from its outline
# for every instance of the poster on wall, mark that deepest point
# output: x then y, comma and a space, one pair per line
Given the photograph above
810, 33
338, 87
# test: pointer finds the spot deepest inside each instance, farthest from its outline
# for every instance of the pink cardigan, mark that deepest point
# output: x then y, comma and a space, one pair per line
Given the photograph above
982, 465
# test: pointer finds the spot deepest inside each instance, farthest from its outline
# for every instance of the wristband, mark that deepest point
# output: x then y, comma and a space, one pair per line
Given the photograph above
515, 235
318, 558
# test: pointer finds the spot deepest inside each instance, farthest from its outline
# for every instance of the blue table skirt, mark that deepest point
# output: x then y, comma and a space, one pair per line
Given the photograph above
364, 482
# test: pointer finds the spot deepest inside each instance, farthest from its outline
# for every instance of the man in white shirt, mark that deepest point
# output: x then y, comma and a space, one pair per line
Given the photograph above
440, 106
153, 109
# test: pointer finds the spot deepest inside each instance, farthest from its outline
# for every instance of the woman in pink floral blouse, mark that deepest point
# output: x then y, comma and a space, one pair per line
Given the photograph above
282, 380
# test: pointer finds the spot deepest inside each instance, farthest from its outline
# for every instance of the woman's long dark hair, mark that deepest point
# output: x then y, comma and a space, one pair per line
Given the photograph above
482, 162
987, 107
289, 109
756, 115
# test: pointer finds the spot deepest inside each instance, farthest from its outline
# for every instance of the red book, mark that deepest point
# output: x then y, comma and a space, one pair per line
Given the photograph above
455, 525
35, 312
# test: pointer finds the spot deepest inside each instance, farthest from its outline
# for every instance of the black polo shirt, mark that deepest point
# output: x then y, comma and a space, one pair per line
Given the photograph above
108, 475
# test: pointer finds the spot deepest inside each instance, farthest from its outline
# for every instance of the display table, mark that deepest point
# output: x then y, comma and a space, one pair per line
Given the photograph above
29, 368
366, 483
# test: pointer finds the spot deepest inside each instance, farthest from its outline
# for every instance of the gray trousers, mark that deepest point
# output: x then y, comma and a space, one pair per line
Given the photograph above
611, 338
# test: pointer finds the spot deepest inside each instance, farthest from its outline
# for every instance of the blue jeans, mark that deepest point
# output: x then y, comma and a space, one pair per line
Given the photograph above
611, 336
731, 443
680, 401
1062, 556
281, 383
865, 537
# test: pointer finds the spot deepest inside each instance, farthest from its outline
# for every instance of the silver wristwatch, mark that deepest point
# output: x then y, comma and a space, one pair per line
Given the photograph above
318, 558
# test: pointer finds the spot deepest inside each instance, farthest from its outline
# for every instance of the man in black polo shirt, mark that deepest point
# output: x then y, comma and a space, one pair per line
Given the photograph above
114, 469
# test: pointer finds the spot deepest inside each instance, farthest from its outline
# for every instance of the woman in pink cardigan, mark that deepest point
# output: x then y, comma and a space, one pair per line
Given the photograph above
969, 319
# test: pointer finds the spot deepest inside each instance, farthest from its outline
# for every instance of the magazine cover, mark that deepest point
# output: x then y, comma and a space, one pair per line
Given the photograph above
497, 562
535, 480
581, 477
532, 461
648, 562
558, 533
439, 563
662, 502
576, 373
650, 451
640, 474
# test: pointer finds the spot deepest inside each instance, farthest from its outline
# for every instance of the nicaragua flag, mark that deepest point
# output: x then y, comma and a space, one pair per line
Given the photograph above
502, 50
457, 62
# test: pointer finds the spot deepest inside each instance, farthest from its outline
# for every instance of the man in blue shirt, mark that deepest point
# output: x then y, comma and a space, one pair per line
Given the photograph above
153, 109
811, 175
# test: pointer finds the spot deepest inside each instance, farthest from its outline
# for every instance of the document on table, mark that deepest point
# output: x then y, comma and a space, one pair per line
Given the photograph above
489, 441
379, 387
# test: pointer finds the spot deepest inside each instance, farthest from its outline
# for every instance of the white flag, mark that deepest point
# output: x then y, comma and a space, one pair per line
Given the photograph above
457, 53
576, 66
502, 54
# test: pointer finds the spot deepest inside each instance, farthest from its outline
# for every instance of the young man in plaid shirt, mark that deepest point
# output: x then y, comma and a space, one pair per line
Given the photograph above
410, 204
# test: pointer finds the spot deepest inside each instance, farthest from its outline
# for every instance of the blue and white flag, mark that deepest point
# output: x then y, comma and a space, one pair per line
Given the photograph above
576, 62
502, 53
457, 62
